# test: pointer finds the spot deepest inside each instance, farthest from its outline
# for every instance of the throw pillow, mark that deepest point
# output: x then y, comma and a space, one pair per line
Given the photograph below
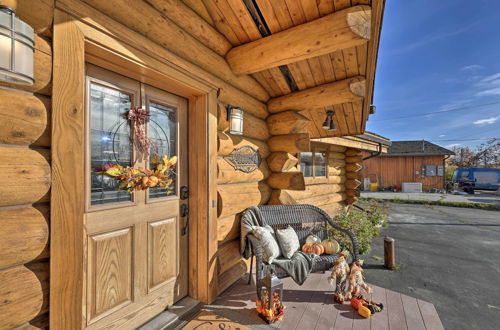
288, 241
270, 247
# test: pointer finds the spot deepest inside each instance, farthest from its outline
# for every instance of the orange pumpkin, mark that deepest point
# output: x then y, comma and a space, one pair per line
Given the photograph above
317, 249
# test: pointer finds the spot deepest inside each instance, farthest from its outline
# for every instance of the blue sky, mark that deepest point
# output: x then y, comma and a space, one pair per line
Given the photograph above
438, 55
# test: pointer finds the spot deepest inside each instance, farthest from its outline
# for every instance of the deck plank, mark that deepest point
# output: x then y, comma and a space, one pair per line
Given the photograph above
380, 320
397, 320
412, 313
429, 315
311, 306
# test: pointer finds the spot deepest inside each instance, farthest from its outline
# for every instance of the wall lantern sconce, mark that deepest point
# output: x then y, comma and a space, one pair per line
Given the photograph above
235, 118
16, 48
329, 124
373, 109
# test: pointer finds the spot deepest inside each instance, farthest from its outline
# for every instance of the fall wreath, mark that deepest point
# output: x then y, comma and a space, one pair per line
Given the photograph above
162, 172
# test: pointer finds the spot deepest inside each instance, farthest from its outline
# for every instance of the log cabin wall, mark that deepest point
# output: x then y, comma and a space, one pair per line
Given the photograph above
24, 193
394, 170
237, 190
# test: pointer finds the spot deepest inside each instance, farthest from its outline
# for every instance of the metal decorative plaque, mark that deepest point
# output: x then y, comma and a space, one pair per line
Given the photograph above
245, 159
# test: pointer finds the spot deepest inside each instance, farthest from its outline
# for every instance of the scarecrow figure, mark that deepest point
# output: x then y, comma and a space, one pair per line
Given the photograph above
356, 280
338, 277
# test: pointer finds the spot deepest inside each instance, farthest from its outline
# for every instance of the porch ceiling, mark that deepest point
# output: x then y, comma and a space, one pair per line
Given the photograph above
234, 20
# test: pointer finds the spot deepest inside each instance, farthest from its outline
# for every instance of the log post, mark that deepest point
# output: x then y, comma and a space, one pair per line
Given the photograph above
389, 253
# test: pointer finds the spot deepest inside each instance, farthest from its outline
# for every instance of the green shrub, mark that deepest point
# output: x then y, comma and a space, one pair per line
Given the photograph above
364, 224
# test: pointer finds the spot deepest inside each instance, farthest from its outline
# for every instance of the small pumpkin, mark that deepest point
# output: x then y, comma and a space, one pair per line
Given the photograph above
317, 249
313, 239
331, 246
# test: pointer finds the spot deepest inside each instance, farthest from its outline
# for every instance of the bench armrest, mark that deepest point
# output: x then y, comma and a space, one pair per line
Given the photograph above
352, 236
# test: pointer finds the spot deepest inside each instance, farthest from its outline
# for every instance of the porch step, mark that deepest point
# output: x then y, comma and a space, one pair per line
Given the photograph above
173, 316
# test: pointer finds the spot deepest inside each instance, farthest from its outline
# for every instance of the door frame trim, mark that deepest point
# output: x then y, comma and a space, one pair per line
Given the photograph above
82, 34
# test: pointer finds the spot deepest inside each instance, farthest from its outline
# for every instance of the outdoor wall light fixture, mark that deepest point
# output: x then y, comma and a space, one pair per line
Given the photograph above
329, 124
16, 48
235, 118
373, 109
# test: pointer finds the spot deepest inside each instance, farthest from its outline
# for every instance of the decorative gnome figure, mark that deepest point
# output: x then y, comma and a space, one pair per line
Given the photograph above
356, 280
338, 277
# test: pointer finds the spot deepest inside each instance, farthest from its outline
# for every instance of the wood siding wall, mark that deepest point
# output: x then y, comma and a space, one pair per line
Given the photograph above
24, 193
394, 170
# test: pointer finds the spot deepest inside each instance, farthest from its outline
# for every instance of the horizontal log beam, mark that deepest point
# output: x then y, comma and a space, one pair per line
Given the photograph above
235, 198
324, 180
353, 175
354, 159
227, 174
352, 192
228, 228
352, 152
26, 176
24, 294
343, 29
351, 200
339, 92
230, 276
287, 122
323, 199
193, 24
353, 167
228, 255
281, 161
226, 143
24, 235
39, 14
169, 35
287, 180
23, 118
292, 143
333, 209
352, 184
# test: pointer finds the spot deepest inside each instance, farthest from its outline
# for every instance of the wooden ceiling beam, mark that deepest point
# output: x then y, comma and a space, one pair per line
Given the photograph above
340, 30
339, 92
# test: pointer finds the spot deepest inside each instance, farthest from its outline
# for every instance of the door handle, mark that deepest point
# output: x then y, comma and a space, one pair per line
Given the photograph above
185, 214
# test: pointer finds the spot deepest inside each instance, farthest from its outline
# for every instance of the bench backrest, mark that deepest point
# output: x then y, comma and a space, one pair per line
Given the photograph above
304, 219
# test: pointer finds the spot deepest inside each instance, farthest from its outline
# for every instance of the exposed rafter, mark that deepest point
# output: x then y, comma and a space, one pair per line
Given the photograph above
344, 91
340, 30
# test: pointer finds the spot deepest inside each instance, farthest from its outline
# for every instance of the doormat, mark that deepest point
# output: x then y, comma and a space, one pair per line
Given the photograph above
207, 320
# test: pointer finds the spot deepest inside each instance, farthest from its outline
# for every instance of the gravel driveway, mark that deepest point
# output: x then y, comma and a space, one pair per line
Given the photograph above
448, 256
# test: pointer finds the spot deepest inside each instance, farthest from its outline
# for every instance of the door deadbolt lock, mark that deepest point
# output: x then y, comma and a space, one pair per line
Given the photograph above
184, 192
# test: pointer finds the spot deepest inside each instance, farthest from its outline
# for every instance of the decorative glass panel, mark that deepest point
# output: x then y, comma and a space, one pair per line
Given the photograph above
319, 164
109, 141
162, 131
306, 164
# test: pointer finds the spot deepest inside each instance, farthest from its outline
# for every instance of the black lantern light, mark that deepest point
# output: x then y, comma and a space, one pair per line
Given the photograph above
329, 124
373, 109
270, 303
16, 48
235, 118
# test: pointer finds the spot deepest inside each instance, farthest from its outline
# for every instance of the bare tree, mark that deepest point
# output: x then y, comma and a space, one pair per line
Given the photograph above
488, 154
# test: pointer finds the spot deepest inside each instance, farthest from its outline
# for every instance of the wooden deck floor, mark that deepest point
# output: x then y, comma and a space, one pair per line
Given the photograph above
311, 306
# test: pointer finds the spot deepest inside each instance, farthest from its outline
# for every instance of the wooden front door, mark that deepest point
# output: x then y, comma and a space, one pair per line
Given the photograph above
136, 243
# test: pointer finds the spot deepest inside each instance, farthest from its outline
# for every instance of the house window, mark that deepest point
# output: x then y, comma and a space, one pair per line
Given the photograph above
313, 164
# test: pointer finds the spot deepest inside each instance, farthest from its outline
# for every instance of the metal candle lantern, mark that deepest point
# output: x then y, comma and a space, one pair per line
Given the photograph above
235, 117
16, 48
270, 303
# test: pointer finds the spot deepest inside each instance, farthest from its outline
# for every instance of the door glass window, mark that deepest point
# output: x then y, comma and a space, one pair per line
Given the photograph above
162, 131
109, 142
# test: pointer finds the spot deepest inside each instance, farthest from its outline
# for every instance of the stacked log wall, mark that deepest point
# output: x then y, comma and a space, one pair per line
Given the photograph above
25, 141
237, 190
354, 165
327, 192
